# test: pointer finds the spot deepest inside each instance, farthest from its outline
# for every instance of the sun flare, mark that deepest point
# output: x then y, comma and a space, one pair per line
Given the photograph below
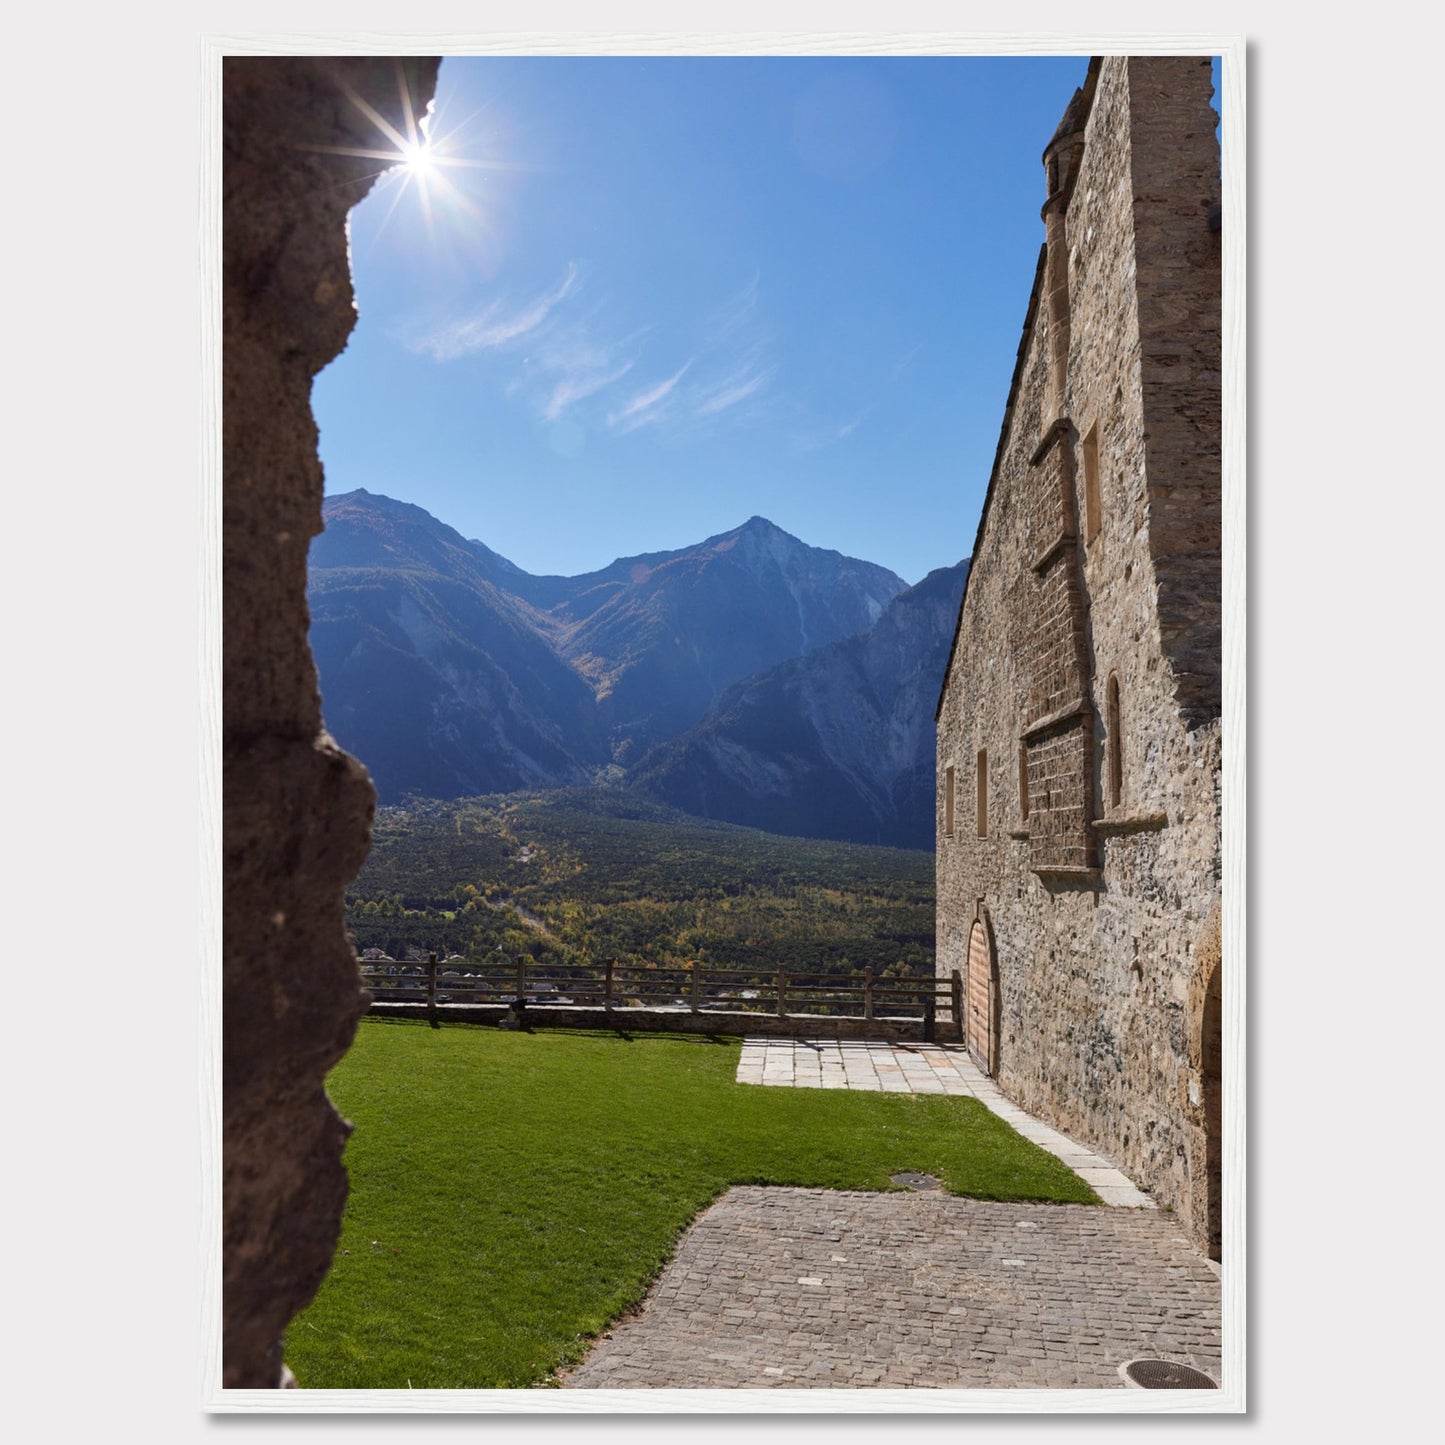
418, 160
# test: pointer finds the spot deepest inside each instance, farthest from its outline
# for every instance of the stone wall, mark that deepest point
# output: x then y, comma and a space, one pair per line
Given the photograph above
1101, 912
297, 810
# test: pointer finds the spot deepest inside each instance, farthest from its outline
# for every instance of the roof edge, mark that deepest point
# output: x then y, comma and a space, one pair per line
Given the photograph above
1091, 81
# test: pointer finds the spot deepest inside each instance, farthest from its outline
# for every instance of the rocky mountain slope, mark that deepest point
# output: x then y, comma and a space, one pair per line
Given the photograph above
660, 637
442, 682
835, 744
450, 671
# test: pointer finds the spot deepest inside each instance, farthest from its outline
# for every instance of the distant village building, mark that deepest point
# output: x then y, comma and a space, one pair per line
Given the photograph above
1079, 736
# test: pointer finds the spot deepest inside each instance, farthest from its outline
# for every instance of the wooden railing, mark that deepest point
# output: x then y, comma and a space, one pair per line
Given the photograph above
617, 987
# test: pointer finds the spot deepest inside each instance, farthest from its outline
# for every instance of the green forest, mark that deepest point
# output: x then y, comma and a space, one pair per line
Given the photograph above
577, 876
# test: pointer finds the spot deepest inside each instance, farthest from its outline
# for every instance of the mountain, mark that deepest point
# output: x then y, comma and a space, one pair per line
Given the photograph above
451, 671
836, 744
442, 681
661, 636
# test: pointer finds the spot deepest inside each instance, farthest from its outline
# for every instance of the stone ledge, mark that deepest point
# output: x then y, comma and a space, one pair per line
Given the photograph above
1079, 707
1053, 433
1042, 562
1131, 823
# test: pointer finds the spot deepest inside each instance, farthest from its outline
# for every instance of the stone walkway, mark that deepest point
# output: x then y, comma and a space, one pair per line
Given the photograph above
818, 1288
923, 1069
849, 1290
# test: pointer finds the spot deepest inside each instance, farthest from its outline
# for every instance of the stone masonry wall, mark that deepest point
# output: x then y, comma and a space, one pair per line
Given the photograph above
297, 810
1058, 732
1102, 968
1176, 192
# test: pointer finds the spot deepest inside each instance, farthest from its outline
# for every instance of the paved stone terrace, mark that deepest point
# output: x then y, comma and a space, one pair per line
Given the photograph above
923, 1069
836, 1289
847, 1290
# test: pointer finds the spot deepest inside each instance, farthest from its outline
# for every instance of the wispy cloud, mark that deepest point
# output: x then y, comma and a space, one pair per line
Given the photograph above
645, 407
738, 387
817, 441
738, 347
495, 325
567, 364
563, 354
734, 315
904, 362
578, 384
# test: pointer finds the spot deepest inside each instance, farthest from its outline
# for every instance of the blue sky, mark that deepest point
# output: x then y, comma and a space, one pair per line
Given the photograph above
659, 295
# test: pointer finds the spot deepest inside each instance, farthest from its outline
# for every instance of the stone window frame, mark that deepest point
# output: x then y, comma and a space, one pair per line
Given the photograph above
1113, 744
981, 793
1093, 508
949, 799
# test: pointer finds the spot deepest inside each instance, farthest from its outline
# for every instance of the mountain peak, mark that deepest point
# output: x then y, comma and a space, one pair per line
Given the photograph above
759, 531
756, 526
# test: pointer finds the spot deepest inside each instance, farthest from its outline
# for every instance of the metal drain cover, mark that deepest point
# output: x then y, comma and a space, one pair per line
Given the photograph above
916, 1181
1166, 1375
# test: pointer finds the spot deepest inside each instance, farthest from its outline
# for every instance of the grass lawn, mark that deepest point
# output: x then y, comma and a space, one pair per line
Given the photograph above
512, 1194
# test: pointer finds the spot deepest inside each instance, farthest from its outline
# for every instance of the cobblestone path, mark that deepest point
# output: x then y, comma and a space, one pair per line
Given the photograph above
845, 1289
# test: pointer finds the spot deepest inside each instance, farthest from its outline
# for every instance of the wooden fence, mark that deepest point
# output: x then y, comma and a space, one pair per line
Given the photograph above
615, 987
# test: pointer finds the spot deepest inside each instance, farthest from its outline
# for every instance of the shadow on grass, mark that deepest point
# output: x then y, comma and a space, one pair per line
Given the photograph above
631, 1036
626, 1036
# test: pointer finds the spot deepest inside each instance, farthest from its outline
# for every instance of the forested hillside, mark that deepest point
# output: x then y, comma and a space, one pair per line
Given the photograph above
580, 875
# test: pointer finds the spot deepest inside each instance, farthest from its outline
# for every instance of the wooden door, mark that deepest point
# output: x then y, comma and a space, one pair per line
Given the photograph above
979, 1003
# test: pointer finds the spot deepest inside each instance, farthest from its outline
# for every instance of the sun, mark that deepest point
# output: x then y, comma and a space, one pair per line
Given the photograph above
418, 160
415, 156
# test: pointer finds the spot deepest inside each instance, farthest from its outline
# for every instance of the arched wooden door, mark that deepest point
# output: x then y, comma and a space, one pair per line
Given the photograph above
981, 1004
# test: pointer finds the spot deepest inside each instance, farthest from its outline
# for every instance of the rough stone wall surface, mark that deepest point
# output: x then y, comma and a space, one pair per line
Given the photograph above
297, 810
1058, 725
1101, 969
1176, 187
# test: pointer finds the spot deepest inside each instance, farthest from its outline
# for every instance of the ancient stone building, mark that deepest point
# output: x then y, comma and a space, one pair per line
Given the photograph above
1079, 724
300, 138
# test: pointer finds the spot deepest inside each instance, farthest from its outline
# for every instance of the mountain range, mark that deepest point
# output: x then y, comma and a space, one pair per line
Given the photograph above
750, 678
836, 744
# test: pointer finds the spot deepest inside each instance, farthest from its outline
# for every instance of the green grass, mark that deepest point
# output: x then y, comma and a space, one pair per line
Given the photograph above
512, 1194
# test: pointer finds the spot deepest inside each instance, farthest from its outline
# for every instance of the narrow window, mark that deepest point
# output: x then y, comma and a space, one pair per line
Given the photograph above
1115, 744
1024, 781
948, 801
983, 793
1091, 484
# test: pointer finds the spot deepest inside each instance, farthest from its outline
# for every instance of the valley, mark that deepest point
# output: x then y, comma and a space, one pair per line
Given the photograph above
582, 875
